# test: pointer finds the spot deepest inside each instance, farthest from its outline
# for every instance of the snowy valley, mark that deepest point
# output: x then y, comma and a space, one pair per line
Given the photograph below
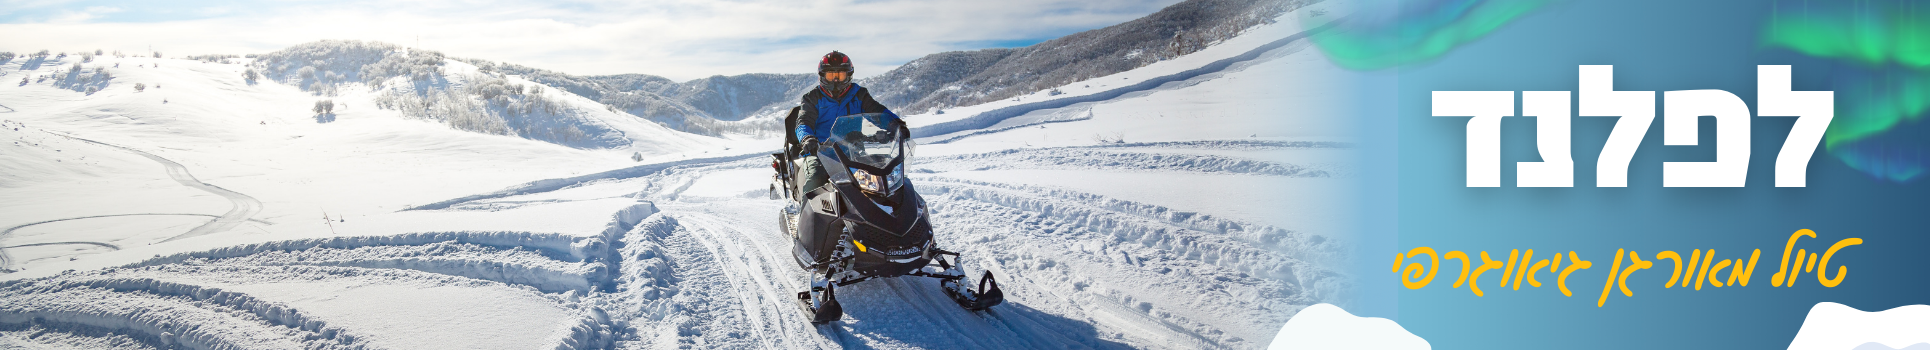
1193, 202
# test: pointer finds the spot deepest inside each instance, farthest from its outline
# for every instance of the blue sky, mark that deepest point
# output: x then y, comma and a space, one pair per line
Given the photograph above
679, 39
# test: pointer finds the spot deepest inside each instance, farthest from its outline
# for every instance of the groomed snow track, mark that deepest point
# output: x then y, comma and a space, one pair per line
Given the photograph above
244, 206
179, 301
687, 270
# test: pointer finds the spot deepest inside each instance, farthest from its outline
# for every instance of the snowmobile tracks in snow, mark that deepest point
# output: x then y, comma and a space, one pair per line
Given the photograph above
548, 185
708, 272
734, 290
201, 299
6, 261
166, 314
1109, 249
1093, 160
733, 286
677, 270
244, 206
1088, 158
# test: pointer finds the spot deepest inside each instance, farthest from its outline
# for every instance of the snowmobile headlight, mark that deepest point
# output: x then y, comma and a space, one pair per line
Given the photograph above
871, 184
896, 179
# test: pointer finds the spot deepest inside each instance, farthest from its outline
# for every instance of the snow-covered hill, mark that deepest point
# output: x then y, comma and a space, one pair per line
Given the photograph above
426, 85
1191, 203
745, 104
965, 78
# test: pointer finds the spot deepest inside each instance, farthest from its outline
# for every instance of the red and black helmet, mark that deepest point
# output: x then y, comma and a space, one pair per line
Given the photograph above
834, 61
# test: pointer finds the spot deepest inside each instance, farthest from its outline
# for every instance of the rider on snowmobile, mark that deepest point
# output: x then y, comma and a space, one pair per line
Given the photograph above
836, 96
874, 226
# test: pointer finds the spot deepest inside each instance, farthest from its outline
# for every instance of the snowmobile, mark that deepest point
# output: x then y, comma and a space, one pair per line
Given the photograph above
867, 221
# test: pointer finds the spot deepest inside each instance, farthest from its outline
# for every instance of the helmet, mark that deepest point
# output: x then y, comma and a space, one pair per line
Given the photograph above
835, 62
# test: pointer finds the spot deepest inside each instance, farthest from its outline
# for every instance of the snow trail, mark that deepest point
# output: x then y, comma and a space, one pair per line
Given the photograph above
1018, 231
1102, 158
107, 245
244, 206
696, 266
6, 261
547, 185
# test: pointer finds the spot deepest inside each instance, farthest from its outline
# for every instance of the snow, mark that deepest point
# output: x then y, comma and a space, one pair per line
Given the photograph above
428, 317
1224, 195
731, 183
1837, 326
1193, 203
1232, 56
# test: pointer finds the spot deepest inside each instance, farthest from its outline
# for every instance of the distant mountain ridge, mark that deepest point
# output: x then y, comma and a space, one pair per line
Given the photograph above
725, 104
710, 106
964, 78
749, 103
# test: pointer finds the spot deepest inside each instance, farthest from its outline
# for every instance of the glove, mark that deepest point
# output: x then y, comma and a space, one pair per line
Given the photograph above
809, 144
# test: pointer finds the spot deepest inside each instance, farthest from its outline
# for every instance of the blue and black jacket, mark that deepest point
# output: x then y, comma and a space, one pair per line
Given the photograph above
820, 110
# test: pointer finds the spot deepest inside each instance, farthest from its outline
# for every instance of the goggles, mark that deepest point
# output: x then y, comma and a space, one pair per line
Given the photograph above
837, 75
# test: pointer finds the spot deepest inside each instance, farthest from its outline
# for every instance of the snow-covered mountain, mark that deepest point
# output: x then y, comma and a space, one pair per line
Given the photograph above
426, 85
750, 104
715, 106
1194, 202
965, 78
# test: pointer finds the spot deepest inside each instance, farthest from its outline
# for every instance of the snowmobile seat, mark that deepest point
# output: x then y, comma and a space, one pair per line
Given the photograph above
792, 148
791, 145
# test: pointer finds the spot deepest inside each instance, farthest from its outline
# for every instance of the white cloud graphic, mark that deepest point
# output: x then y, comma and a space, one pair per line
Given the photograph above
1836, 327
1325, 326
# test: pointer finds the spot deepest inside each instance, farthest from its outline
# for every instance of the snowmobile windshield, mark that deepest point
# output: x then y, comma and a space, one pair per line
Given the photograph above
866, 139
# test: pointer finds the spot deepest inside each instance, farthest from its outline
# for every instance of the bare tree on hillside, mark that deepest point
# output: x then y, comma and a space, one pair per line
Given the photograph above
324, 107
324, 111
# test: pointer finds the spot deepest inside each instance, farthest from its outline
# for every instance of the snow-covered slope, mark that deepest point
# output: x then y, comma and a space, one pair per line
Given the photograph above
964, 78
1187, 204
717, 105
425, 85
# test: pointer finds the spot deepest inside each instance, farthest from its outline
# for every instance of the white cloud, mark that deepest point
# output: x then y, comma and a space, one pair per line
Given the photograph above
83, 15
680, 39
1837, 326
10, 6
1325, 326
